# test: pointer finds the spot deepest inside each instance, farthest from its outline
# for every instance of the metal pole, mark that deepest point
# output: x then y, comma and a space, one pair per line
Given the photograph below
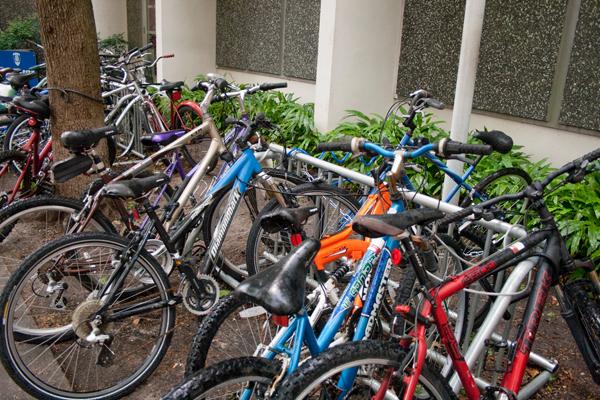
465, 83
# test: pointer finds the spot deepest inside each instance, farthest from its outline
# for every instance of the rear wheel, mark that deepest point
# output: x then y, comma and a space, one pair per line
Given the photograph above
47, 344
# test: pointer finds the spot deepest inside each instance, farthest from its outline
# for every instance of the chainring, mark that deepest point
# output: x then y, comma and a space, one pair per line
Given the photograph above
201, 306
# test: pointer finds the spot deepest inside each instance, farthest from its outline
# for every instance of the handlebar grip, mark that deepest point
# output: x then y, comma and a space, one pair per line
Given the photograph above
434, 103
450, 147
335, 146
147, 47
592, 156
168, 55
274, 85
200, 86
221, 84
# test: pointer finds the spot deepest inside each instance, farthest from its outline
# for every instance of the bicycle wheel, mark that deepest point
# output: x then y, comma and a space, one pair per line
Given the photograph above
47, 342
336, 209
505, 180
317, 378
19, 132
231, 256
234, 328
250, 376
42, 219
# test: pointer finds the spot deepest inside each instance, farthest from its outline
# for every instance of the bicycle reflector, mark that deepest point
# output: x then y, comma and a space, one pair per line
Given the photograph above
281, 320
176, 95
396, 256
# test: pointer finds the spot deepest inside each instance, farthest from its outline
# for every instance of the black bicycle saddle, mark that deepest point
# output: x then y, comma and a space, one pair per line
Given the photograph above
393, 224
280, 288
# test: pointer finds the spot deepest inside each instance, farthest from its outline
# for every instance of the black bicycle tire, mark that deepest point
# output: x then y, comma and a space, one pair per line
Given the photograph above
254, 234
210, 325
10, 131
486, 181
40, 202
207, 228
14, 282
234, 370
353, 352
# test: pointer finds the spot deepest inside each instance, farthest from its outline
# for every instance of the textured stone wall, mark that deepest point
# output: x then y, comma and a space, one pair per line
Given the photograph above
580, 106
11, 9
519, 52
270, 36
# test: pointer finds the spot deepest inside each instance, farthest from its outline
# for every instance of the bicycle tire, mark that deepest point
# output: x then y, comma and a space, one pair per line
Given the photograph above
244, 212
258, 373
17, 134
256, 234
34, 375
229, 308
26, 209
355, 354
16, 125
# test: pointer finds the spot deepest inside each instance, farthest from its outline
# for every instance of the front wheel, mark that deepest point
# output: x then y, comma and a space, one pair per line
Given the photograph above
373, 360
56, 343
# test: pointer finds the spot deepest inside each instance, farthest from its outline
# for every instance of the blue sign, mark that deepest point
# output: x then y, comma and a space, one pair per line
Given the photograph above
22, 59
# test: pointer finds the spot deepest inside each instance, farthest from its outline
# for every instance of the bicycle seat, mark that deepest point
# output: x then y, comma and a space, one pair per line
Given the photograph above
280, 288
499, 141
134, 187
162, 139
17, 81
77, 141
6, 70
170, 85
285, 218
37, 106
393, 224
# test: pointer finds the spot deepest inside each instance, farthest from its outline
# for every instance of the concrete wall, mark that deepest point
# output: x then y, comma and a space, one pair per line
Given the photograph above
304, 90
111, 17
186, 28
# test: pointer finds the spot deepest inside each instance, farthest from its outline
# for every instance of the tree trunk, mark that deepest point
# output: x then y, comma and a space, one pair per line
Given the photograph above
68, 33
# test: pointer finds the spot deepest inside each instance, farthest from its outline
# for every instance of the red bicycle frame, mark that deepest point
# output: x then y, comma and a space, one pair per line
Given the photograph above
34, 159
433, 309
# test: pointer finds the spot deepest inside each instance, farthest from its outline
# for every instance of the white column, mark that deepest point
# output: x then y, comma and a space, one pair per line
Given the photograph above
359, 48
186, 28
465, 82
110, 17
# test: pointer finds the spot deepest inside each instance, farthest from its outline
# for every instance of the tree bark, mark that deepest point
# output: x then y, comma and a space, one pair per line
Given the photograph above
68, 33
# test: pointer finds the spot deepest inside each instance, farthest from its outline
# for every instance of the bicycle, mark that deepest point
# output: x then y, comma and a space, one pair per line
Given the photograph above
399, 369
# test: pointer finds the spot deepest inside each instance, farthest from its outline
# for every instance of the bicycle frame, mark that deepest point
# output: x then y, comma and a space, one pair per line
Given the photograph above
514, 375
35, 157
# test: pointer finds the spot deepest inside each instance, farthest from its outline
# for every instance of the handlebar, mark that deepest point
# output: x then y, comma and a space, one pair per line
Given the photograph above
443, 148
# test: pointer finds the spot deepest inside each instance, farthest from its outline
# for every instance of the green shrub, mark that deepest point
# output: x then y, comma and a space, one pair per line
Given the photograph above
18, 31
114, 43
576, 207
